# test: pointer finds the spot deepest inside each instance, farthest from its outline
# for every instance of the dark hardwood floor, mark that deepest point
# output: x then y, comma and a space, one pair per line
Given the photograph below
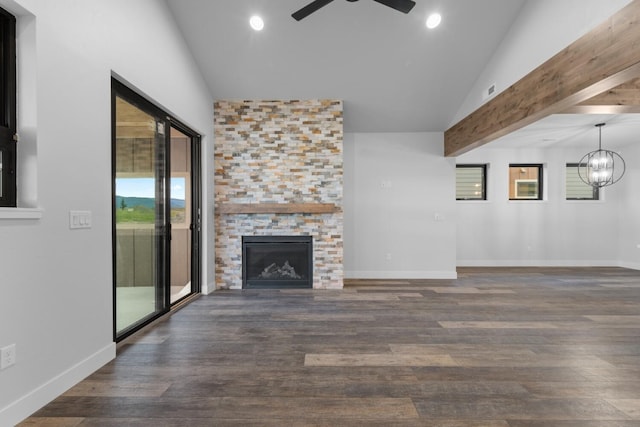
518, 347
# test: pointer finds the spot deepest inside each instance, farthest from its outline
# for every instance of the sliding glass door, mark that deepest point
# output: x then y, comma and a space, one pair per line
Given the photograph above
182, 215
153, 205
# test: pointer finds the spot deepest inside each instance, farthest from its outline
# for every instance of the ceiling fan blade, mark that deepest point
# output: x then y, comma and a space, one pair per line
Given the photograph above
403, 6
309, 9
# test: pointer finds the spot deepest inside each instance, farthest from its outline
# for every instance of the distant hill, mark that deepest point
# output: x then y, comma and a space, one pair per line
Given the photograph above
145, 202
177, 203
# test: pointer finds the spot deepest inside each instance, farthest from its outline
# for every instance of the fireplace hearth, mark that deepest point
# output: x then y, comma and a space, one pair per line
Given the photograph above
277, 262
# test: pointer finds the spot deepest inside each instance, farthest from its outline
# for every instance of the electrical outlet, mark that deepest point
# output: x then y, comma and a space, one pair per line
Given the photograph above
388, 257
7, 356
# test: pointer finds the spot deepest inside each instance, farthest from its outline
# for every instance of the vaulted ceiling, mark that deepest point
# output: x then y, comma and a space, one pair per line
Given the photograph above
393, 73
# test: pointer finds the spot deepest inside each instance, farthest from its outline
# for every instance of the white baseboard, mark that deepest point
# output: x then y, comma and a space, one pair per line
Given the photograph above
36, 399
208, 288
536, 263
400, 275
629, 265
485, 263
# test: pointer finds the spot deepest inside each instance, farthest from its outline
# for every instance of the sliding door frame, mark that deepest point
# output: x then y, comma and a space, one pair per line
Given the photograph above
195, 226
119, 89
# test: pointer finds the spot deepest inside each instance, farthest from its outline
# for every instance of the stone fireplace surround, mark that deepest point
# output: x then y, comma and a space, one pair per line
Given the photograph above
278, 171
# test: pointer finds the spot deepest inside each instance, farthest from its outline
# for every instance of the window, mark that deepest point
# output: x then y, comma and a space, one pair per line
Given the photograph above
7, 109
525, 182
471, 182
577, 189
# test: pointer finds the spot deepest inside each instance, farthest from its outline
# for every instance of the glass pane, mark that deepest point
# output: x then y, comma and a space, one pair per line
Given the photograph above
470, 182
181, 242
1, 174
139, 216
576, 188
524, 182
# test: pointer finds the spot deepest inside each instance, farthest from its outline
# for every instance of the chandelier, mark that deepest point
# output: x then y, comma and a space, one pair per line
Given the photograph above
600, 168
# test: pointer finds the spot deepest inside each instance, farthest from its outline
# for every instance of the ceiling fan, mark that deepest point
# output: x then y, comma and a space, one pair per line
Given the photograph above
400, 5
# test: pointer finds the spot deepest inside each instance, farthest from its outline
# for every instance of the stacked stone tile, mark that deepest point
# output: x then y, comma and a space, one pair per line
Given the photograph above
279, 152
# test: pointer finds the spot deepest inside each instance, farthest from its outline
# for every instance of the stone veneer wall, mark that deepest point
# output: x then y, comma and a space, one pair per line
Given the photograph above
279, 152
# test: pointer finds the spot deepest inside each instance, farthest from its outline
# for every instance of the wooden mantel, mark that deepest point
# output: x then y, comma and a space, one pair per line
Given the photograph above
277, 208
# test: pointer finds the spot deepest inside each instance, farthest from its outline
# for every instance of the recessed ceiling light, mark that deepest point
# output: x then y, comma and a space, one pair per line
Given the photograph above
433, 20
256, 23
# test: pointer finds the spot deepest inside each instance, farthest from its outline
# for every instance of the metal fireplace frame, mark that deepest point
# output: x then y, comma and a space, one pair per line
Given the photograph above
276, 284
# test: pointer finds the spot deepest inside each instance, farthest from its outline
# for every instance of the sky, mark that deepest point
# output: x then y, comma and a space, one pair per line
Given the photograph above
144, 187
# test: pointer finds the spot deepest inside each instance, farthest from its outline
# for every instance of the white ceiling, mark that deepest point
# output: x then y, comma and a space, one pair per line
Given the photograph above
575, 131
393, 74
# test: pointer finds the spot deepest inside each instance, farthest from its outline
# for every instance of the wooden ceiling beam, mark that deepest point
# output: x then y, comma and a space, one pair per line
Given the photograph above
599, 61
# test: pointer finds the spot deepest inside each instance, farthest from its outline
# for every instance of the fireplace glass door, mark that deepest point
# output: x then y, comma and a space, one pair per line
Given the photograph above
277, 262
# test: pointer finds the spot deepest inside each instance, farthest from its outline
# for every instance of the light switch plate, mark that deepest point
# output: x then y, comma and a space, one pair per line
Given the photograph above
79, 219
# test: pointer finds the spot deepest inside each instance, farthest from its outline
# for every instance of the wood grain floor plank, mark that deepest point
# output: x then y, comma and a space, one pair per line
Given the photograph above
379, 360
572, 423
238, 407
52, 422
119, 388
533, 408
631, 407
609, 390
469, 290
498, 325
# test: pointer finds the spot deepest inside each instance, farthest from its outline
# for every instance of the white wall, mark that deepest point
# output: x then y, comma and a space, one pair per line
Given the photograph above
629, 209
391, 232
542, 29
56, 283
552, 232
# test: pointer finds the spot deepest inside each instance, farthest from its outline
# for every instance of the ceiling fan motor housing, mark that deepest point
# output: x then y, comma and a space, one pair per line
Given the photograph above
403, 6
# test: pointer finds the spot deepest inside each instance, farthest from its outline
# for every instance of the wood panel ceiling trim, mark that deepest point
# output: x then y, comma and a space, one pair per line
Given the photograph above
603, 109
623, 99
604, 58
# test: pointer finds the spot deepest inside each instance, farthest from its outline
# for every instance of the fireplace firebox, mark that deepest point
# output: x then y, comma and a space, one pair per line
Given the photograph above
277, 262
